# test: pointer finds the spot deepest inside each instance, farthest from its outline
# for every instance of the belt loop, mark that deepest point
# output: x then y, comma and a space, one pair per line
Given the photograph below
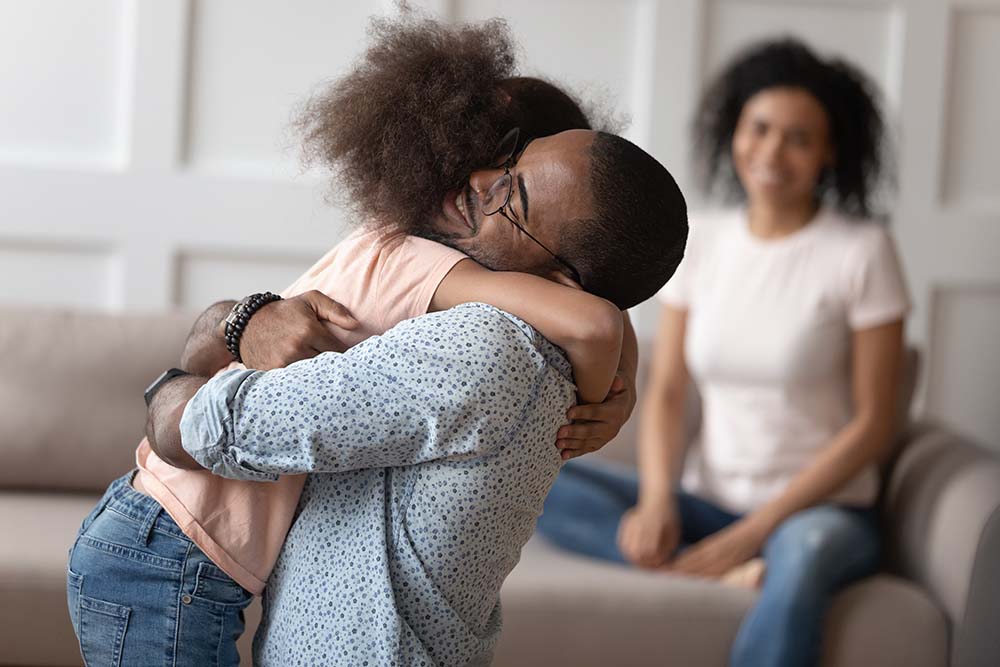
146, 527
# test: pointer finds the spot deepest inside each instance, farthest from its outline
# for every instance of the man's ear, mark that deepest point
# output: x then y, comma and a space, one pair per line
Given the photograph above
560, 277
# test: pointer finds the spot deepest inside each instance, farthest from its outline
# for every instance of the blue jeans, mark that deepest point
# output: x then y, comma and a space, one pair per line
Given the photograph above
141, 593
809, 557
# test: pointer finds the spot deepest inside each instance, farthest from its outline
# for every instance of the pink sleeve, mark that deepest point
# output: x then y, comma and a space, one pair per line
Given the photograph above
409, 273
878, 290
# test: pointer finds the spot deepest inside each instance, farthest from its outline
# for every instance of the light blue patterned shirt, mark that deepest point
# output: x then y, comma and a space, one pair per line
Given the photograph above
434, 446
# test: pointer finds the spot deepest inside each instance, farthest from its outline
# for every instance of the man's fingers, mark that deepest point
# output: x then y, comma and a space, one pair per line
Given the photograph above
328, 309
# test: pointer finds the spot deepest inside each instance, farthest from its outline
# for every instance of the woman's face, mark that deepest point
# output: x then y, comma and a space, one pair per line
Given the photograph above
780, 146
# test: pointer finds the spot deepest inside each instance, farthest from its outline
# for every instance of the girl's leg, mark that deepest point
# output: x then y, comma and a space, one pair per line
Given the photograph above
141, 593
809, 557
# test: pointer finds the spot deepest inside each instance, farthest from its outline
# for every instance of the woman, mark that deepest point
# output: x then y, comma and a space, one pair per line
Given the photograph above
788, 313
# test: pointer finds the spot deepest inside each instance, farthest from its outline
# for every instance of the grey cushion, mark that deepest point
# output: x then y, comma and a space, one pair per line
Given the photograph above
561, 609
71, 408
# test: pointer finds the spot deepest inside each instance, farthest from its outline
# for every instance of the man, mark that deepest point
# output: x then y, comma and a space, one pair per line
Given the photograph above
436, 438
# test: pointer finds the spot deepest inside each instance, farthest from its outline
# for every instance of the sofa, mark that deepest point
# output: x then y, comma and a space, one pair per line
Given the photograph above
71, 414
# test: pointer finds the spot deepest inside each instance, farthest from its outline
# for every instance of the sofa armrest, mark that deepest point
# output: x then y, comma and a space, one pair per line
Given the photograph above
941, 508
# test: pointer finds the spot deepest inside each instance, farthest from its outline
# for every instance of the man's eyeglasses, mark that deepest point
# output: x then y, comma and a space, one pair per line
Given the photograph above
497, 198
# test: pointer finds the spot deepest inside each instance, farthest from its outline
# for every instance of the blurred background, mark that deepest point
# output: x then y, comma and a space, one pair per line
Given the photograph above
146, 164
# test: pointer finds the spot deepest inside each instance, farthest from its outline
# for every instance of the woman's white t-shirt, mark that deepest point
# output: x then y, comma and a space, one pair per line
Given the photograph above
768, 342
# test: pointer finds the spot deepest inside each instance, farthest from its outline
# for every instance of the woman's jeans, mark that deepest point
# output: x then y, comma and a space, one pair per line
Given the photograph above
141, 593
810, 556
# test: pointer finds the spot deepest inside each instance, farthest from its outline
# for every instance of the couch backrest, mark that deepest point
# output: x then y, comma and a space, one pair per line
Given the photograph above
71, 383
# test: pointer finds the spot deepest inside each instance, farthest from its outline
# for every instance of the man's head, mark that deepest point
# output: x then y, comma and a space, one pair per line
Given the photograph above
425, 104
598, 203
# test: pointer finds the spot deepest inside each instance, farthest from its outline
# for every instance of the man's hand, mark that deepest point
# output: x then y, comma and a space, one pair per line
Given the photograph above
293, 329
647, 536
595, 425
719, 553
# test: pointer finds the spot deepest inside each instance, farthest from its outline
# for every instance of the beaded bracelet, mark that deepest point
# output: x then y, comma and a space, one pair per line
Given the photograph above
238, 317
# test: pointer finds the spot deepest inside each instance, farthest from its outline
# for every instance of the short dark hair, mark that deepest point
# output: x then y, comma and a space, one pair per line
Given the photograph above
632, 245
851, 102
542, 108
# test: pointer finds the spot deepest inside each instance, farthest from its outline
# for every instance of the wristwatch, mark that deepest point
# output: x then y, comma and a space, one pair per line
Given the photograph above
165, 377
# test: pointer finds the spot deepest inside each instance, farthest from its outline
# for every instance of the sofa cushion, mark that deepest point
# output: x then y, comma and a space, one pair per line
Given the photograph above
71, 408
564, 609
40, 528
38, 531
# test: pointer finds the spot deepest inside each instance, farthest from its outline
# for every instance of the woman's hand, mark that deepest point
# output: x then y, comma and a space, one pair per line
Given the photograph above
719, 553
647, 536
596, 424
293, 329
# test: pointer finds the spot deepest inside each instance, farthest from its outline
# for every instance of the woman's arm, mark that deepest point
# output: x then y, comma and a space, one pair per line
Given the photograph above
649, 532
588, 328
661, 430
876, 357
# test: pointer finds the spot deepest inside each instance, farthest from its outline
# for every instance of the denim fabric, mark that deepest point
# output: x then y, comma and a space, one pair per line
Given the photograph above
810, 556
141, 593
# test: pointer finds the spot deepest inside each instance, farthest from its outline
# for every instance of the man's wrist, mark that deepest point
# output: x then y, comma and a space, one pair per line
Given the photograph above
164, 415
239, 317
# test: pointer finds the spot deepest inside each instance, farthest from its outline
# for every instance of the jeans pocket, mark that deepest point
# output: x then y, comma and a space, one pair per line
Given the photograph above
102, 627
214, 585
74, 582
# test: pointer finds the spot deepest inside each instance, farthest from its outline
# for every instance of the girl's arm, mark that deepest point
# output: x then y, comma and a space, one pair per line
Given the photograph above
588, 328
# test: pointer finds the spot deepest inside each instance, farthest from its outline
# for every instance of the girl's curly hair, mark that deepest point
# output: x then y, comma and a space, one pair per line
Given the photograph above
857, 128
416, 114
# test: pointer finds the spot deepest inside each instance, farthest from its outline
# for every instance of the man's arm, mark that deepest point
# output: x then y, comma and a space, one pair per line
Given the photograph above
205, 350
278, 334
163, 418
447, 385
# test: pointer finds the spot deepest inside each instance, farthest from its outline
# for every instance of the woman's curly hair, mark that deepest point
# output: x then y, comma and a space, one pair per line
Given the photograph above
851, 102
416, 114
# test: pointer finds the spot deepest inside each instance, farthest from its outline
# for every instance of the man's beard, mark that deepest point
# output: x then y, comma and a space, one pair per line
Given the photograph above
468, 240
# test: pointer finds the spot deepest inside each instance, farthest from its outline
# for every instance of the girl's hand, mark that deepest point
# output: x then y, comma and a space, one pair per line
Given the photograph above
596, 424
648, 536
717, 554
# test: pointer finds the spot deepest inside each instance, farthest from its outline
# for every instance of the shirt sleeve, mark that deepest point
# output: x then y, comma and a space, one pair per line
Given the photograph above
409, 273
448, 385
878, 293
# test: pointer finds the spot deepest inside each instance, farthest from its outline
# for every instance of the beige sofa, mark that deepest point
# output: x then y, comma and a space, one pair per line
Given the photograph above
71, 413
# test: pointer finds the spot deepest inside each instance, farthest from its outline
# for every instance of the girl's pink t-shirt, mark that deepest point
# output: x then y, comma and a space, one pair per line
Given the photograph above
241, 525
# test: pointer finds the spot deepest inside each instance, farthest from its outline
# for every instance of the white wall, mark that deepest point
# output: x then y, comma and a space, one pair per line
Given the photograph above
145, 162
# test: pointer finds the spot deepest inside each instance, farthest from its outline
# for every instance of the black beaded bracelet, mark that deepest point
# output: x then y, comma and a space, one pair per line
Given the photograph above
238, 317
